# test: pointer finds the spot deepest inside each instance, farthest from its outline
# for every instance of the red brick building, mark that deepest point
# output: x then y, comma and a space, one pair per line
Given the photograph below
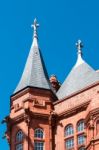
45, 115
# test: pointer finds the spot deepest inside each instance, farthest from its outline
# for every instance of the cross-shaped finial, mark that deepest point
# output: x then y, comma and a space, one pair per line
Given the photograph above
79, 46
35, 25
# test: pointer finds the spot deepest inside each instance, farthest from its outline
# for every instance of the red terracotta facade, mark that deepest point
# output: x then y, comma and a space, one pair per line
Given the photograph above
39, 108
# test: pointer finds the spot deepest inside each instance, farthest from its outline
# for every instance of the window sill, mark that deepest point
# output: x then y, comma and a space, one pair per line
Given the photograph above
39, 139
68, 137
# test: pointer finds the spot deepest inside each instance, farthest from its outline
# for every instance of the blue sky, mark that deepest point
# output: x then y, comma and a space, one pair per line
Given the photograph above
62, 23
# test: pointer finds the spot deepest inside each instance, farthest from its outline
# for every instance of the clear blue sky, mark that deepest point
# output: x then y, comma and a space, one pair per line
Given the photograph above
62, 23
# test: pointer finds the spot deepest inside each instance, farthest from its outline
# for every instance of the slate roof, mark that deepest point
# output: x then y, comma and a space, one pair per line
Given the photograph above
34, 74
81, 76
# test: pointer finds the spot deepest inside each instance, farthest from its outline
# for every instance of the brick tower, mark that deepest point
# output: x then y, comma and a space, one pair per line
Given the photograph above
29, 124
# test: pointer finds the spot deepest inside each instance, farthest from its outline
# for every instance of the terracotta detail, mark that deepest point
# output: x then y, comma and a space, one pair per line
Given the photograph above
54, 82
36, 108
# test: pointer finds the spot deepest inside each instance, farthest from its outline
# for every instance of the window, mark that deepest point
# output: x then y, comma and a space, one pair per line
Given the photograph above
80, 126
19, 136
69, 130
69, 143
19, 147
38, 145
38, 133
19, 140
81, 139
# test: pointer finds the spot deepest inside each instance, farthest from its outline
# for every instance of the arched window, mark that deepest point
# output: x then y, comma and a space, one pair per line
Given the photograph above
80, 126
39, 133
39, 145
69, 130
19, 136
19, 140
97, 127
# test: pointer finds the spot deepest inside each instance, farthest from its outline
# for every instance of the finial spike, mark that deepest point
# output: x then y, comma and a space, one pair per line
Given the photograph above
79, 47
35, 25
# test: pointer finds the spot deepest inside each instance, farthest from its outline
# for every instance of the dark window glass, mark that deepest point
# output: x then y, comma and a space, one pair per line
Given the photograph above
69, 130
38, 146
19, 136
80, 126
81, 139
69, 143
38, 133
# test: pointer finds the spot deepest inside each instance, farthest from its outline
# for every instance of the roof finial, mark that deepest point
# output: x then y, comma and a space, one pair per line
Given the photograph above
35, 25
79, 47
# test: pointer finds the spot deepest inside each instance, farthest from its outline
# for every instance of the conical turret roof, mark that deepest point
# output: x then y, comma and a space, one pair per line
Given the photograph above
81, 76
34, 74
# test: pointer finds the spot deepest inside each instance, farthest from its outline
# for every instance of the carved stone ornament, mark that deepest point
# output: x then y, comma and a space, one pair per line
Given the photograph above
91, 123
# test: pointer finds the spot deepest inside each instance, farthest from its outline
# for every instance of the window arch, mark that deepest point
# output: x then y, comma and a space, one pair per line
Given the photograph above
80, 126
19, 136
69, 130
39, 133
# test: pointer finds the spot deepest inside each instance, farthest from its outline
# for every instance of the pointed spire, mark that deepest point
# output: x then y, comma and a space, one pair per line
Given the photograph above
34, 74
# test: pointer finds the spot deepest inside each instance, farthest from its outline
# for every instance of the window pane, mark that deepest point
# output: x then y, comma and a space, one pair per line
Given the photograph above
19, 147
80, 126
38, 146
69, 143
38, 133
19, 136
81, 139
69, 130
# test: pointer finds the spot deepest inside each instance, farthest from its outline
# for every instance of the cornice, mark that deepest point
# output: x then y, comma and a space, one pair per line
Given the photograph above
76, 109
27, 114
29, 89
